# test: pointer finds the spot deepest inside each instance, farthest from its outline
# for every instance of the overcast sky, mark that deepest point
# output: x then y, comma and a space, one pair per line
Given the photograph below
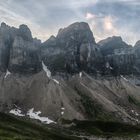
45, 17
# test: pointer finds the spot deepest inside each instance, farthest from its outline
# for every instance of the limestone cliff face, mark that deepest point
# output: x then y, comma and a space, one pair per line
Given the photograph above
25, 32
137, 44
109, 45
19, 52
6, 38
137, 58
119, 57
122, 61
72, 50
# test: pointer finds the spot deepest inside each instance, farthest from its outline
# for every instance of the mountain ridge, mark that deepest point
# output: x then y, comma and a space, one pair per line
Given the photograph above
69, 71
69, 86
74, 49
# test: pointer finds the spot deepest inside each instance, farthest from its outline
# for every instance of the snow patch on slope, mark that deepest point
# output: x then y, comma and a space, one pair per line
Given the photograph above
7, 73
16, 112
62, 110
135, 113
35, 115
32, 115
57, 82
48, 73
80, 74
124, 78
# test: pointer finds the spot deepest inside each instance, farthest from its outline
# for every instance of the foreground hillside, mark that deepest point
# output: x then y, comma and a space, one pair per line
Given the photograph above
12, 128
20, 129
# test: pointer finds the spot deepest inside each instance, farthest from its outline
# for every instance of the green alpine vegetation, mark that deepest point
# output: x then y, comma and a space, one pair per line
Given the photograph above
13, 128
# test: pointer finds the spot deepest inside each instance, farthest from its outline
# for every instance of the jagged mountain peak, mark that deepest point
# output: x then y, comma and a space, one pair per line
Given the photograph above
137, 44
52, 37
25, 32
11, 32
110, 39
3, 24
19, 52
72, 49
110, 44
75, 26
75, 30
51, 41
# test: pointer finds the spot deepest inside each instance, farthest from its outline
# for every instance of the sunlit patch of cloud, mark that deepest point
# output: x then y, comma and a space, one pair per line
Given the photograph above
108, 22
90, 16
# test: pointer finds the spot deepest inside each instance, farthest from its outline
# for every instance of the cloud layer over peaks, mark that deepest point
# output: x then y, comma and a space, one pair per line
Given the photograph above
45, 17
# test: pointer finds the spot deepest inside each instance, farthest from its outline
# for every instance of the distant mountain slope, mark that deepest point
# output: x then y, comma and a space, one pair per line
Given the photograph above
80, 97
108, 46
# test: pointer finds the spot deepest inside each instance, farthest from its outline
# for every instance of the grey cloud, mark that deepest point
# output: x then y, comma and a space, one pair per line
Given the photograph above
45, 17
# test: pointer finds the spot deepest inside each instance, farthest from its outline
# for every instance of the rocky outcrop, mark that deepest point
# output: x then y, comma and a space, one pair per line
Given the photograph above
25, 32
24, 56
137, 44
137, 58
72, 50
109, 45
122, 61
19, 52
119, 57
6, 38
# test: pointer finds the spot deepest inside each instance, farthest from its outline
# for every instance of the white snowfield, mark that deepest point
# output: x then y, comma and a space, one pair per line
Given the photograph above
16, 112
7, 73
32, 115
35, 115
